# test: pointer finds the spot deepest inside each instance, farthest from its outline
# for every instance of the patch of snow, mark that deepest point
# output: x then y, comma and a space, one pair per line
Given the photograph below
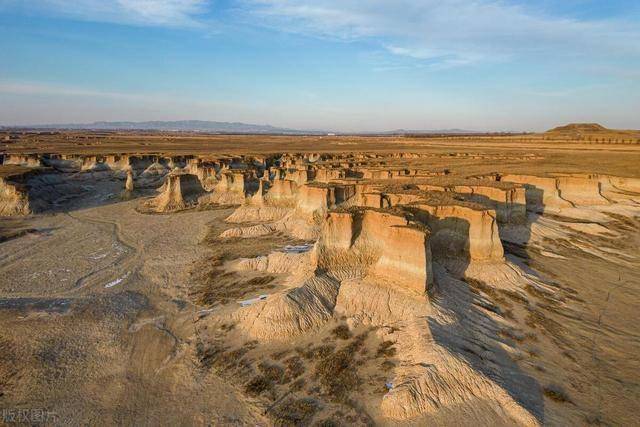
298, 249
117, 281
252, 301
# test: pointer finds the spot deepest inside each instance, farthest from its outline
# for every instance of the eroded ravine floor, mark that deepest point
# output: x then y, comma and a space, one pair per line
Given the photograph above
96, 323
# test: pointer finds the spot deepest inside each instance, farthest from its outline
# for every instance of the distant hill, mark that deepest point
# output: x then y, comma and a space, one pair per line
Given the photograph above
218, 127
580, 128
591, 131
177, 126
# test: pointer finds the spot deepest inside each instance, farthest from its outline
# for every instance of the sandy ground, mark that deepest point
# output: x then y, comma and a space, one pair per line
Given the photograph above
98, 322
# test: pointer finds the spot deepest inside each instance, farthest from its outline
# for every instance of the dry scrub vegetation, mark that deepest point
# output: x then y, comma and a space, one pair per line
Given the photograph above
211, 284
305, 381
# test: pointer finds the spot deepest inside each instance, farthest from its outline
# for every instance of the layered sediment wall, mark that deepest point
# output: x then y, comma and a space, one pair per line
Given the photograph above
14, 199
178, 192
462, 232
380, 243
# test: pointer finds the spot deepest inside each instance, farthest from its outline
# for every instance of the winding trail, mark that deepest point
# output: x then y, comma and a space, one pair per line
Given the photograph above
128, 262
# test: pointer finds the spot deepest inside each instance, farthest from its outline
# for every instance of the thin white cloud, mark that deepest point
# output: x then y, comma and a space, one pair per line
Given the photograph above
455, 32
170, 13
165, 12
37, 88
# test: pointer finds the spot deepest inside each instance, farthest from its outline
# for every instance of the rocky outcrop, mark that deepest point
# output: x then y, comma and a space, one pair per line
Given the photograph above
282, 192
128, 186
179, 191
328, 175
510, 204
541, 193
555, 193
229, 190
462, 232
379, 243
581, 191
300, 177
14, 199
314, 200
28, 160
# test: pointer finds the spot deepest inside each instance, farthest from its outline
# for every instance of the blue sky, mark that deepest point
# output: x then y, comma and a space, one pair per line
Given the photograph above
348, 65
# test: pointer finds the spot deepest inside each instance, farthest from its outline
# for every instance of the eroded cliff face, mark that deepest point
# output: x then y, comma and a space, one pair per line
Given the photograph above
14, 199
462, 232
377, 243
510, 204
314, 200
555, 194
178, 192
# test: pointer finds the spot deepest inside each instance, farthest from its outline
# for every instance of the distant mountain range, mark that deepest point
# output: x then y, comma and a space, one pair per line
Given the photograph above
216, 127
174, 126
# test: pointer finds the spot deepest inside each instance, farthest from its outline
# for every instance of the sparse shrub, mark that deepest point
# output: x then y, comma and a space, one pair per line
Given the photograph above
342, 332
319, 352
273, 373
338, 374
556, 393
386, 349
208, 355
298, 384
257, 385
295, 366
514, 296
327, 423
387, 365
477, 286
295, 412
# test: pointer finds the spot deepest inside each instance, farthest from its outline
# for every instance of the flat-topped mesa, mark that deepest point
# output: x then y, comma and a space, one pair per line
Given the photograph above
232, 182
28, 160
328, 175
281, 192
14, 198
581, 191
298, 176
374, 173
205, 171
461, 232
94, 164
117, 162
319, 198
314, 200
179, 191
379, 243
360, 195
230, 189
555, 193
298, 206
510, 204
541, 193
